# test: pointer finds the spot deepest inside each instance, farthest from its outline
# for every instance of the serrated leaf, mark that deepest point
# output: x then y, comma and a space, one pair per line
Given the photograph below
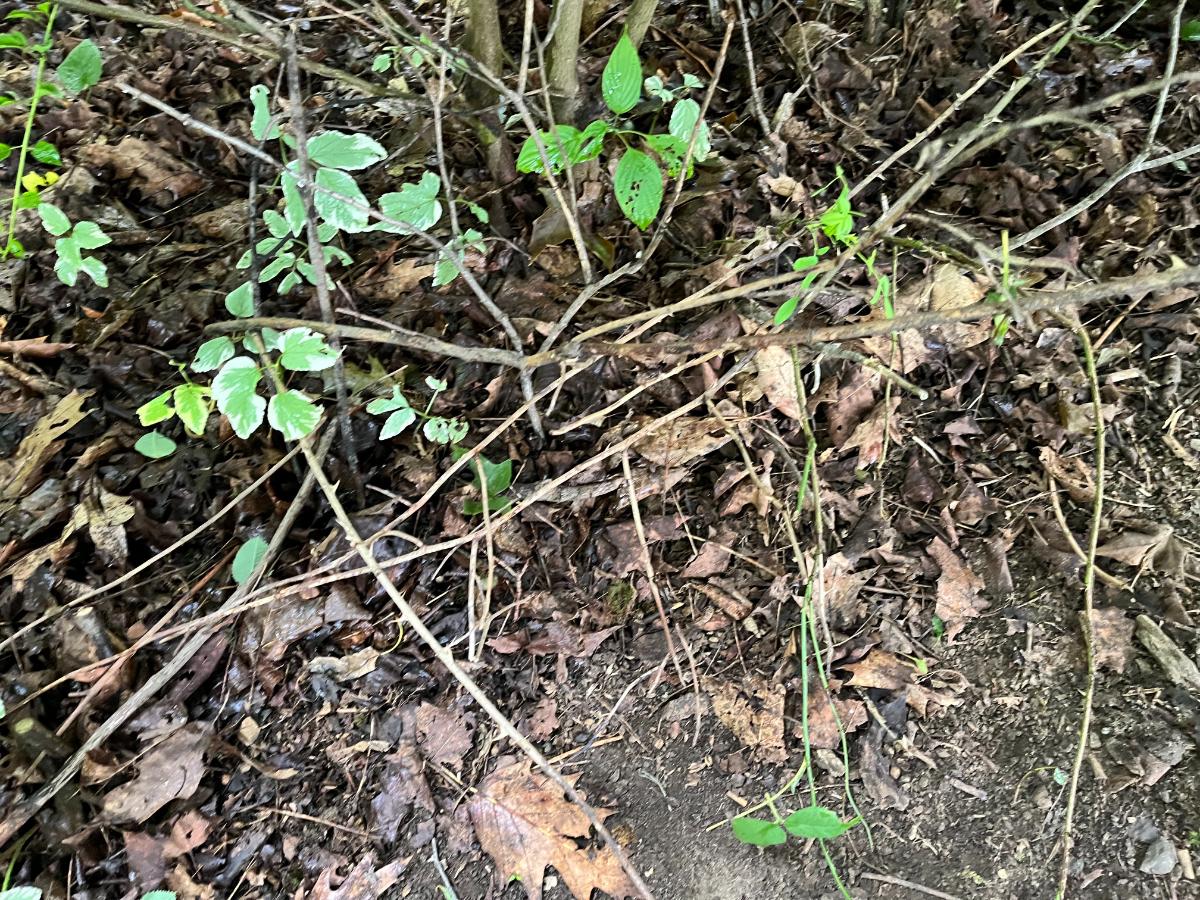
414, 204
621, 82
89, 235
684, 117
758, 832
240, 301
561, 144
445, 431
157, 410
152, 446
293, 415
246, 560
81, 68
54, 220
339, 150
192, 406
817, 822
335, 207
381, 405
397, 422
46, 153
213, 354
444, 269
638, 185
233, 389
260, 120
303, 350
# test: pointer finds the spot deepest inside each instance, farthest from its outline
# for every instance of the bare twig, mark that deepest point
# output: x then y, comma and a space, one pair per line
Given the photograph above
1089, 588
908, 885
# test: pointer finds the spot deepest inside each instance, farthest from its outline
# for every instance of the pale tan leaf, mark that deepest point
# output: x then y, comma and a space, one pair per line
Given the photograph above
170, 771
957, 589
753, 712
777, 378
17, 473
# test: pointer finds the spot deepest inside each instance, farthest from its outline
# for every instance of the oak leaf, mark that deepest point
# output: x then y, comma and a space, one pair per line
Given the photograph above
525, 824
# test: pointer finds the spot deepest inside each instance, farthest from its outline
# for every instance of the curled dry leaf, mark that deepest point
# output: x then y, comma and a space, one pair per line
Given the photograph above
881, 669
842, 585
1071, 474
753, 713
345, 668
364, 882
1155, 548
525, 824
957, 589
17, 474
160, 177
680, 441
170, 771
869, 435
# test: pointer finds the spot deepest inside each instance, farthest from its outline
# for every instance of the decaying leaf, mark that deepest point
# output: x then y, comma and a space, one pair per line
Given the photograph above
17, 473
825, 714
881, 669
364, 882
170, 771
1112, 632
777, 379
525, 824
1155, 548
443, 735
624, 537
345, 668
957, 589
1071, 473
680, 441
712, 558
754, 713
394, 281
161, 177
869, 435
842, 585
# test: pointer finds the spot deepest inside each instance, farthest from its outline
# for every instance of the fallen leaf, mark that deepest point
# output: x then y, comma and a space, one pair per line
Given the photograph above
403, 782
185, 888
17, 473
525, 824
680, 441
161, 178
869, 435
364, 882
1071, 473
394, 281
842, 585
624, 537
442, 735
345, 668
712, 558
881, 669
850, 402
920, 488
777, 379
957, 589
754, 713
1112, 633
145, 858
170, 771
106, 515
1156, 547
826, 714
189, 832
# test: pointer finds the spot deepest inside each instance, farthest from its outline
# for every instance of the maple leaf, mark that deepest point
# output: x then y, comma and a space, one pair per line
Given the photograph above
525, 824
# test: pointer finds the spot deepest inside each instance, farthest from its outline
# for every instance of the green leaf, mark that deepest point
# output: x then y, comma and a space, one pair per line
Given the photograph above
381, 405
684, 117
260, 120
246, 560
240, 301
397, 422
46, 153
435, 384
591, 141
414, 204
639, 188
655, 88
497, 476
293, 202
293, 415
670, 150
621, 82
69, 261
82, 67
837, 222
13, 39
561, 145
1190, 31
54, 220
495, 505
786, 310
95, 270
381, 63
334, 209
344, 151
153, 446
758, 832
276, 224
234, 392
192, 406
274, 267
445, 431
89, 235
5, 151
303, 350
29, 199
157, 410
817, 822
160, 895
213, 354
444, 269
691, 81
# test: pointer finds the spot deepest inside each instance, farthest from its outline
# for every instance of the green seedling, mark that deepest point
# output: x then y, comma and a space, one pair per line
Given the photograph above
638, 179
491, 480
808, 823
401, 414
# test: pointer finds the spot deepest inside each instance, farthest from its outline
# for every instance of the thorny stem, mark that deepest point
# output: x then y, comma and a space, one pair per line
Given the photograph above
25, 136
1089, 585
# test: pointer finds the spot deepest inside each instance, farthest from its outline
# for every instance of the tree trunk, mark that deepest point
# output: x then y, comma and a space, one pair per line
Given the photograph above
641, 14
564, 59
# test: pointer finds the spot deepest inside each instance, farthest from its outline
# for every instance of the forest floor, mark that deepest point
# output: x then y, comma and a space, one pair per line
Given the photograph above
709, 582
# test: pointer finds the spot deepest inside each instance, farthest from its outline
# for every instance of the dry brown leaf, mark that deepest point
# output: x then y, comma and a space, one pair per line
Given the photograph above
1071, 474
868, 436
442, 735
1112, 632
842, 586
525, 824
680, 441
189, 832
712, 558
754, 713
364, 882
106, 515
850, 401
624, 537
881, 669
345, 668
957, 589
185, 888
17, 473
777, 378
1141, 548
160, 177
395, 281
170, 771
823, 726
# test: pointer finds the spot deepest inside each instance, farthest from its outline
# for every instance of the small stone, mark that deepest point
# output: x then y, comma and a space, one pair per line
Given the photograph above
1160, 859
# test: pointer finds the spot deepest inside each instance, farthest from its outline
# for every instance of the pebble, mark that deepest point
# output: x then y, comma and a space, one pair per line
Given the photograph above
1160, 859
